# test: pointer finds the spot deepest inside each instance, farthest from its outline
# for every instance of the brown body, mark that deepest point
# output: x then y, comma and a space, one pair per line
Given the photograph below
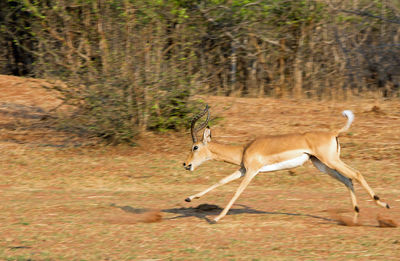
270, 153
273, 149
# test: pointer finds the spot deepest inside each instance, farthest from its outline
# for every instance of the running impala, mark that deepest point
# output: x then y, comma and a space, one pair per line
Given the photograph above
276, 152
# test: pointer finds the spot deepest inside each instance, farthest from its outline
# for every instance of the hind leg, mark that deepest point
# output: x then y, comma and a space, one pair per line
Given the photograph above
346, 181
341, 167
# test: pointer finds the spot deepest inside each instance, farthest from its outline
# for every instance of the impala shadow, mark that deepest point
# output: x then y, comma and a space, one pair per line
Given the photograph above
204, 210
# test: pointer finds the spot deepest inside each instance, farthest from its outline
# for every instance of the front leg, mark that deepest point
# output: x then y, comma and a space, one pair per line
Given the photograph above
249, 176
237, 174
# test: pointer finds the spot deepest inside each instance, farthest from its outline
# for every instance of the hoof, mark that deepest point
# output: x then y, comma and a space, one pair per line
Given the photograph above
188, 199
213, 221
387, 206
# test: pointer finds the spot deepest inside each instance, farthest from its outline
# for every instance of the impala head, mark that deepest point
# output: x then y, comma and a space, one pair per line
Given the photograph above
199, 152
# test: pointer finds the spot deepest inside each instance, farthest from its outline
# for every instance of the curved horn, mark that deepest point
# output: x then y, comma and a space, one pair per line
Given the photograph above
194, 130
205, 123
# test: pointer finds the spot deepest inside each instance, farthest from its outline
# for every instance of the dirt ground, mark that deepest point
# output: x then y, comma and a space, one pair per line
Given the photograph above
65, 199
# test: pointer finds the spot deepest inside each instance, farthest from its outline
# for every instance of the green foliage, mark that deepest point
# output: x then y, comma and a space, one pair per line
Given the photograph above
110, 110
172, 112
100, 110
295, 13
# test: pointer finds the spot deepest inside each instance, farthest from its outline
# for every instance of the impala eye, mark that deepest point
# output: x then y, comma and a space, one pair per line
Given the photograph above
195, 147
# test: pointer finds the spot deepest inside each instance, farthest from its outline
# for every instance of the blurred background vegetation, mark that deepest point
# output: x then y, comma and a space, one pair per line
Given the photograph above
127, 66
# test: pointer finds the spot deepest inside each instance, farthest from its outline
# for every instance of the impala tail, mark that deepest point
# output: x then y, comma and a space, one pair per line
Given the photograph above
350, 118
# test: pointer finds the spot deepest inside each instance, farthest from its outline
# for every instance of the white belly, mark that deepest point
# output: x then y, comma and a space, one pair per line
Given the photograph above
287, 164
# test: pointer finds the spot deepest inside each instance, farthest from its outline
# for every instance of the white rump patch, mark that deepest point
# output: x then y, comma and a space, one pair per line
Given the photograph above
287, 164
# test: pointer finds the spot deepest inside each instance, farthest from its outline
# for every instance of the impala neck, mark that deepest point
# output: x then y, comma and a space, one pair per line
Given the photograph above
228, 153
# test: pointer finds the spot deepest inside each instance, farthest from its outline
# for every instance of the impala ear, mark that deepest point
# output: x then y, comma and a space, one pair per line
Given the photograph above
207, 135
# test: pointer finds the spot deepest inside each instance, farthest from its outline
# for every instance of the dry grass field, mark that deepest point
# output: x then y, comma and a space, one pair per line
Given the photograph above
63, 198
